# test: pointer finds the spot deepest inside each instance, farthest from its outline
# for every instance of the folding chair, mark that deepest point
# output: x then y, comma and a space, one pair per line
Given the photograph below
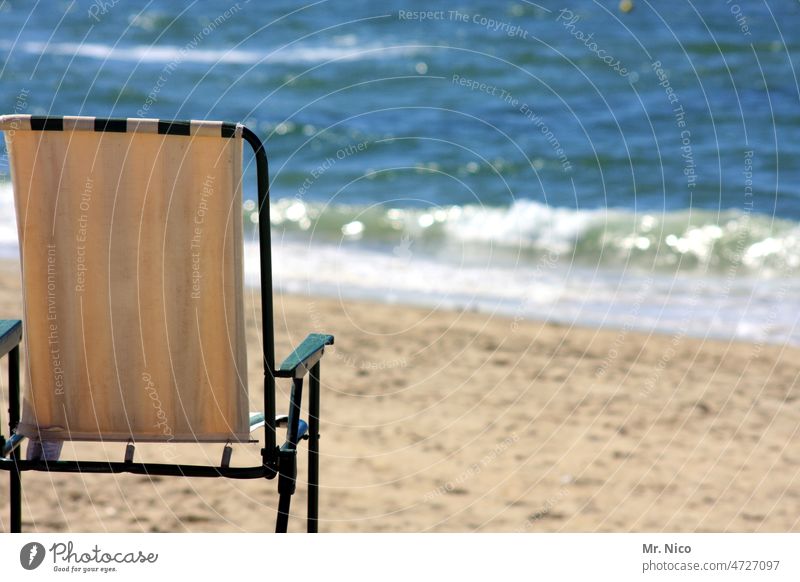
131, 247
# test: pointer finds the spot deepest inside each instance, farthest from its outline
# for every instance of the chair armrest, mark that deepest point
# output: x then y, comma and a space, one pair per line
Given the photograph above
10, 335
11, 444
304, 356
256, 420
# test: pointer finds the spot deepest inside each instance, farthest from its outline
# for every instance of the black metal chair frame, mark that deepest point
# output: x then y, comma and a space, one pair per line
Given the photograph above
277, 461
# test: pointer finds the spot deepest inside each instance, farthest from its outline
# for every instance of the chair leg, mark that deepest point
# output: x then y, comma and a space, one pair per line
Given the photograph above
287, 466
313, 450
284, 501
287, 459
14, 477
15, 501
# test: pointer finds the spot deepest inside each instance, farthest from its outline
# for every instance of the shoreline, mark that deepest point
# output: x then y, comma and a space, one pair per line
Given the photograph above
437, 420
717, 275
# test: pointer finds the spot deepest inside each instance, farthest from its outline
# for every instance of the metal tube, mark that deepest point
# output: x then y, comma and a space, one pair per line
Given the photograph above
282, 523
15, 482
164, 469
265, 245
13, 390
15, 501
287, 474
313, 448
295, 402
11, 444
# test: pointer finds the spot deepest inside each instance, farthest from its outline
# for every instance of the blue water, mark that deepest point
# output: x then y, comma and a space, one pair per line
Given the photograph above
655, 149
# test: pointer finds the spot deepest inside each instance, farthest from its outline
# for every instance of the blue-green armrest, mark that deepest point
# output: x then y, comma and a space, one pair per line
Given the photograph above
304, 356
257, 421
10, 335
12, 443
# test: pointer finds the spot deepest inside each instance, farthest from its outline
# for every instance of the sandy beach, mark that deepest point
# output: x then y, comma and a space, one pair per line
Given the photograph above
436, 420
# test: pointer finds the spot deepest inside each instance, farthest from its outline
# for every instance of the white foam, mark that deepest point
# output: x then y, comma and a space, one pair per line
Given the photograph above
689, 241
745, 308
193, 54
9, 247
526, 223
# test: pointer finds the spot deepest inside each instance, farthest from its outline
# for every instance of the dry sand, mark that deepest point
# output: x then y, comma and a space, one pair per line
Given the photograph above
437, 420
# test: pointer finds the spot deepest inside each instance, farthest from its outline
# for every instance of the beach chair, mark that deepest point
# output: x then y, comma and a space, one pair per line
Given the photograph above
131, 246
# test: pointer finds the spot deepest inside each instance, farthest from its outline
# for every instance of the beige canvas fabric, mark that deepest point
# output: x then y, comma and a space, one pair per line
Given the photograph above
131, 248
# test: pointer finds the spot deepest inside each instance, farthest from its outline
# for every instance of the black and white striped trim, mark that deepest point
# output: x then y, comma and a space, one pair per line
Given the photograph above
192, 128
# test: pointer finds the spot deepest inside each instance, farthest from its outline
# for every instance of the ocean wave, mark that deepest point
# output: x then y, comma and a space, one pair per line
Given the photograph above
8, 226
731, 242
178, 54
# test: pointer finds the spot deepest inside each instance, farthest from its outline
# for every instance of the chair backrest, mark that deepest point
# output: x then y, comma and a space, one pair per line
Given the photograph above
131, 248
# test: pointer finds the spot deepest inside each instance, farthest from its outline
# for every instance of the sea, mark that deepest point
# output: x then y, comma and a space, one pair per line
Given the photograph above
632, 166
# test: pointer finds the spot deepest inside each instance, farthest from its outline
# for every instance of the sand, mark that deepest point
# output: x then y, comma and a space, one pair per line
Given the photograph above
437, 420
